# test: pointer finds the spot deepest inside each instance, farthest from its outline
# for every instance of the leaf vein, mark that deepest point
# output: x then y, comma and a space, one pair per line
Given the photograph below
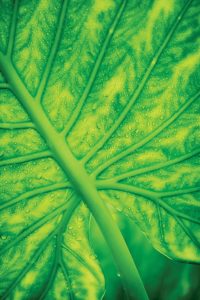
61, 227
12, 29
25, 158
95, 70
140, 87
35, 192
147, 139
146, 194
28, 266
33, 227
18, 125
155, 167
54, 48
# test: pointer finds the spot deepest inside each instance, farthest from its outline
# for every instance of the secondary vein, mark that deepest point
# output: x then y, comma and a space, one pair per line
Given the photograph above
25, 158
61, 228
5, 86
154, 167
80, 259
148, 138
35, 192
13, 29
54, 48
151, 195
95, 70
18, 125
188, 232
140, 87
67, 278
33, 227
28, 266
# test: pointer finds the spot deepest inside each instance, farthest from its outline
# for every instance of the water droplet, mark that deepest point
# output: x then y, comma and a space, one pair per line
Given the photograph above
119, 209
93, 107
80, 219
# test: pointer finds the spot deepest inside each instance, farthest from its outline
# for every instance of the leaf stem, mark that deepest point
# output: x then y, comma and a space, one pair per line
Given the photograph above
82, 182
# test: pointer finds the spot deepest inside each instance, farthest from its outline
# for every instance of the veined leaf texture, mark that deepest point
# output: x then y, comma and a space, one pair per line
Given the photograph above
99, 109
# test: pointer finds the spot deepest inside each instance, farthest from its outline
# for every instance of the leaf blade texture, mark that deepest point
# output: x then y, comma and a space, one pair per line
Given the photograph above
110, 88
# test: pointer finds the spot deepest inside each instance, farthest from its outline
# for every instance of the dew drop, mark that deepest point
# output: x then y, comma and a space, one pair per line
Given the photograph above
119, 209
94, 106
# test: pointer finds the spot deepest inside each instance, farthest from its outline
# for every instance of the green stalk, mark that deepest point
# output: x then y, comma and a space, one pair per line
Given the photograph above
83, 184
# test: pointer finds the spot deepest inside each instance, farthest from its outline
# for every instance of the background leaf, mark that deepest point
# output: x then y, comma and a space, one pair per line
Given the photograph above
163, 278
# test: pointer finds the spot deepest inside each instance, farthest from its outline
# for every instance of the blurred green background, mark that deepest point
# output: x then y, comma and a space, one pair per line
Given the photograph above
163, 278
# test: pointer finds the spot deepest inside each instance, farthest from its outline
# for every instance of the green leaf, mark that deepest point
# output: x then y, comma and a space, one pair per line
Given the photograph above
168, 280
99, 109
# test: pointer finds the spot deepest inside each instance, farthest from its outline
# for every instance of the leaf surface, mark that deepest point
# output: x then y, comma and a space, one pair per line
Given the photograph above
99, 104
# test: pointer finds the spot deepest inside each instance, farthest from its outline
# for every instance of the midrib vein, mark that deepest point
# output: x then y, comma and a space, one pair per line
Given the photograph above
83, 184
60, 151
